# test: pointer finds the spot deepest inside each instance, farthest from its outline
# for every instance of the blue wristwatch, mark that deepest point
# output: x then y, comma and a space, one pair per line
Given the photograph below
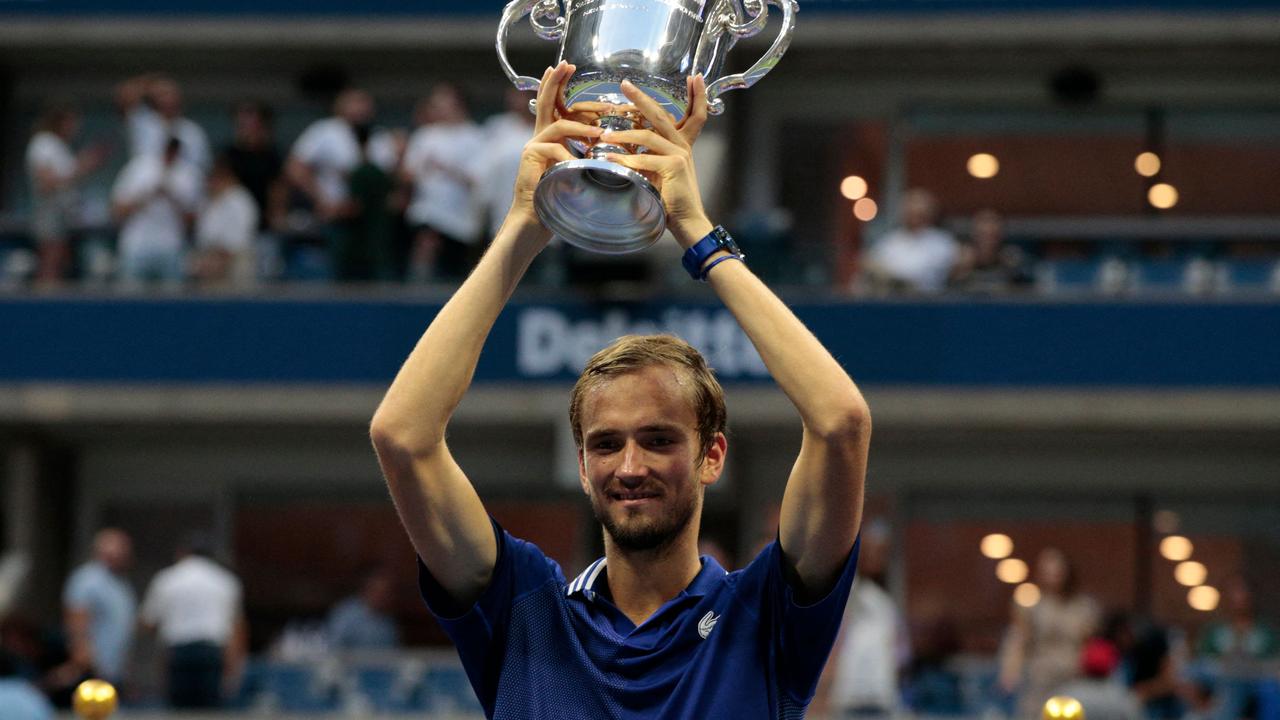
715, 241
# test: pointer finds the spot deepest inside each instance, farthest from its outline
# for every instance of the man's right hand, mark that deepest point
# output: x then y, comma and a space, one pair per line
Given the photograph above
547, 147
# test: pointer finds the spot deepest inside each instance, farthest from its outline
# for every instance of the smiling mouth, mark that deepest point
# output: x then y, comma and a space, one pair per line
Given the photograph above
632, 497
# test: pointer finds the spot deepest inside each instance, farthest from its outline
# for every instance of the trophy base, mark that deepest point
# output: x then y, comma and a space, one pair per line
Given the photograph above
600, 206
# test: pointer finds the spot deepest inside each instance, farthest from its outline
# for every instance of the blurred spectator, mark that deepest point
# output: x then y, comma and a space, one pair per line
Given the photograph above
364, 248
19, 699
195, 606
917, 257
1155, 672
872, 646
987, 264
152, 107
1044, 643
1102, 697
55, 171
505, 136
226, 230
154, 198
443, 161
99, 608
256, 161
935, 685
1240, 639
364, 621
320, 164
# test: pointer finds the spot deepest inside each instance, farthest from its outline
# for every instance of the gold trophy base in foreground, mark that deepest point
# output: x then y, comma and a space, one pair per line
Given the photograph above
1063, 708
94, 699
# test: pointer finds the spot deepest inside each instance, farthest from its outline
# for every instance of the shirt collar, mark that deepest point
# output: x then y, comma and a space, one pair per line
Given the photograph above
586, 584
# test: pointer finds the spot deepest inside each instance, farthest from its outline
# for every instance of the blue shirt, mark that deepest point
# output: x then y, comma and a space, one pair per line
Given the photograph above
353, 625
20, 701
113, 610
730, 645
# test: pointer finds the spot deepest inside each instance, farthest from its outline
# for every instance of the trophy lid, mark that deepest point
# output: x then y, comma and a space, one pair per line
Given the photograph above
600, 206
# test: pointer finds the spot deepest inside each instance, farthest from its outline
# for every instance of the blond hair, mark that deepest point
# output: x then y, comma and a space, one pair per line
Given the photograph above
636, 352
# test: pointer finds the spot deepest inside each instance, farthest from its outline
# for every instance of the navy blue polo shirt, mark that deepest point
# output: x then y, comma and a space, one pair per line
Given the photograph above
730, 645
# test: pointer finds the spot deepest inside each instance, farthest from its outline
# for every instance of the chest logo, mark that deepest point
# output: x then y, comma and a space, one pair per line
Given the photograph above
707, 624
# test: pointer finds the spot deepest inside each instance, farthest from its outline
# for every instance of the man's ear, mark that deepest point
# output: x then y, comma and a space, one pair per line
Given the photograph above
582, 472
713, 461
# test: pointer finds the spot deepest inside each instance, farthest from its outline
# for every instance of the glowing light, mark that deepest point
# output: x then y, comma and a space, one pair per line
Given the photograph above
1027, 595
1190, 573
1012, 571
1063, 708
1163, 196
866, 209
984, 166
1176, 548
1166, 522
854, 187
1147, 164
1204, 598
997, 546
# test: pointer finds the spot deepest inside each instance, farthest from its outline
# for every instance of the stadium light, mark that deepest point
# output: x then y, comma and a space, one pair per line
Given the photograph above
1148, 164
1027, 595
1190, 573
984, 166
997, 546
1012, 571
1163, 196
866, 209
1176, 548
854, 188
1204, 598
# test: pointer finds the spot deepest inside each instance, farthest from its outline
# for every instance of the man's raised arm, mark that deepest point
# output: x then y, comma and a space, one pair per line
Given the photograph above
822, 506
437, 504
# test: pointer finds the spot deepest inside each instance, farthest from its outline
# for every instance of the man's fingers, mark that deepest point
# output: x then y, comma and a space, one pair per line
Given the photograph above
562, 129
660, 119
551, 151
654, 164
546, 109
696, 119
648, 138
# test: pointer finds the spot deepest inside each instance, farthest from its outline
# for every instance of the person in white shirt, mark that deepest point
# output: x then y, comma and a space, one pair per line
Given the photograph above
504, 139
196, 608
226, 230
444, 161
917, 257
55, 172
152, 108
153, 198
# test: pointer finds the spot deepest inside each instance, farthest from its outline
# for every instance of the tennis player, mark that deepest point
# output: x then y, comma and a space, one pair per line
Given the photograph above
650, 630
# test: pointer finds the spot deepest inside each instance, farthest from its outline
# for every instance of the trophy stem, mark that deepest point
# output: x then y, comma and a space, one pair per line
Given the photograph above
601, 149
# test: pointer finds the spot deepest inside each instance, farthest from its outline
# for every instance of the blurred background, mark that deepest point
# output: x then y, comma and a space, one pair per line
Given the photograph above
1044, 237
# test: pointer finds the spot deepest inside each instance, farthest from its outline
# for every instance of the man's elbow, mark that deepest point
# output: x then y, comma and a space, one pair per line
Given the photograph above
846, 421
397, 442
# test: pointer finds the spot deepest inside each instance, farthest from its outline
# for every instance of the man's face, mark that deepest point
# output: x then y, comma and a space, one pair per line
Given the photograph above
640, 460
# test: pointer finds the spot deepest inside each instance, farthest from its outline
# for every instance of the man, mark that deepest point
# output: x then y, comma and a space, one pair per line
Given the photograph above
152, 107
154, 198
365, 621
917, 257
650, 630
226, 231
98, 610
195, 606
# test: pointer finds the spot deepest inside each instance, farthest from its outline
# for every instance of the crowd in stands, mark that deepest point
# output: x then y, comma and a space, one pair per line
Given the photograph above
351, 200
1118, 665
363, 202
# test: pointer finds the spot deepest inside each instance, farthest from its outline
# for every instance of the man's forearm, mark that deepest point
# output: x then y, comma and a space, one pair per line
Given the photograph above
438, 372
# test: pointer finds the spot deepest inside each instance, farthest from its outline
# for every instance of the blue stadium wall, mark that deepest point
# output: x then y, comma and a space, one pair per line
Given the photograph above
1032, 344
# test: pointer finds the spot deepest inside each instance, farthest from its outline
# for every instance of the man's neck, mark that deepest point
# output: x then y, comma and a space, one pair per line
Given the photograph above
640, 582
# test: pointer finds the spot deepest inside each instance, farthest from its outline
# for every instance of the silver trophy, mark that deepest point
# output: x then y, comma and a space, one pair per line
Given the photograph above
596, 204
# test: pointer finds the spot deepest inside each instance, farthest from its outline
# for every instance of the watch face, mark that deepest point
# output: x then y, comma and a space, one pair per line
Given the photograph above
725, 240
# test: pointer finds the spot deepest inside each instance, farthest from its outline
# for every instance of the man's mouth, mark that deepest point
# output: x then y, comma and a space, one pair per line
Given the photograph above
633, 497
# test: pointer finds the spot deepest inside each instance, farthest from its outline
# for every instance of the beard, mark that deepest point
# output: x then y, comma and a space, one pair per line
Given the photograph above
642, 533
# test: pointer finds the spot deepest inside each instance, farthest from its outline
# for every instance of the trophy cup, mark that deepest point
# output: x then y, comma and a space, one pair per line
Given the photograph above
600, 205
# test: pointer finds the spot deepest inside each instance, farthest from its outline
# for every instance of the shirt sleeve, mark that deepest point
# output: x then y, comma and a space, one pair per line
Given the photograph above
310, 145
78, 592
801, 634
479, 632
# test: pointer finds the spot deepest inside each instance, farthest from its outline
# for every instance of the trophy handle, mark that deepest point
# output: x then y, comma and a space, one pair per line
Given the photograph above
548, 23
753, 25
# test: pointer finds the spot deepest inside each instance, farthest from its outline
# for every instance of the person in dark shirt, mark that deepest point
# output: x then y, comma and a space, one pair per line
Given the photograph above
255, 159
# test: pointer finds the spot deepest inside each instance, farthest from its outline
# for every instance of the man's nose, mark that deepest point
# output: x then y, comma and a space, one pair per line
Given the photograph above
632, 465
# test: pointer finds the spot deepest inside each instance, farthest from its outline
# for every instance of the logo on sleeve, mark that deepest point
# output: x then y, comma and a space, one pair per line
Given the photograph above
707, 624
